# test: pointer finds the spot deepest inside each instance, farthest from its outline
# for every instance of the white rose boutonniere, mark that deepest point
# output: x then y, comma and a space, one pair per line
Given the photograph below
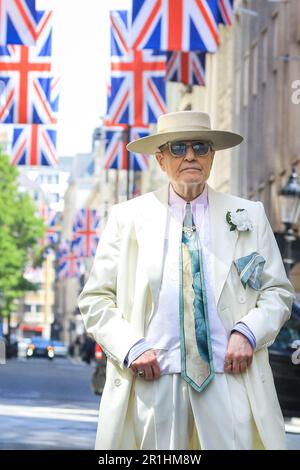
239, 220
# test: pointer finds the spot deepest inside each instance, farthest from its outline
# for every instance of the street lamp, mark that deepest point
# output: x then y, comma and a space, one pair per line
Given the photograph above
290, 207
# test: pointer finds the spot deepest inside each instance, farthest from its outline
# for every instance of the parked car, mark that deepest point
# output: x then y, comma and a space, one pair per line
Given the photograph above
60, 349
285, 363
40, 347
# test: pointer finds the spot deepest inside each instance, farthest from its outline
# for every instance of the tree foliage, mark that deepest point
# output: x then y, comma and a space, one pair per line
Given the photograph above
20, 231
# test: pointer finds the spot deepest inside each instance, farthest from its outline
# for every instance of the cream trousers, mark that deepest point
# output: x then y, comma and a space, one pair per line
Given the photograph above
168, 414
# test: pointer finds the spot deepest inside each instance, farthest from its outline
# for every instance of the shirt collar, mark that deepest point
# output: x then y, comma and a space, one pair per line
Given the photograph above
176, 201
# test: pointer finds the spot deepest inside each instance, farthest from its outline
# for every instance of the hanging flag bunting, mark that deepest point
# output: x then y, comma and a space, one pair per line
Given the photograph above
116, 155
137, 94
138, 162
50, 218
225, 12
186, 67
85, 233
28, 87
34, 145
174, 25
20, 23
69, 265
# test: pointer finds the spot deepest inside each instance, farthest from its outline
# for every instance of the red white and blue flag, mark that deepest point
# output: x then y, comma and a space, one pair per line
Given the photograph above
86, 233
174, 25
116, 155
138, 161
50, 218
28, 87
138, 95
186, 67
69, 265
225, 12
20, 22
34, 145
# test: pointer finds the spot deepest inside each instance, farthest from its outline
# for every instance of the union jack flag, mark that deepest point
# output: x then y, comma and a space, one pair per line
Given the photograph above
85, 233
138, 162
138, 93
69, 265
19, 22
186, 67
50, 218
225, 12
116, 155
175, 25
28, 88
34, 145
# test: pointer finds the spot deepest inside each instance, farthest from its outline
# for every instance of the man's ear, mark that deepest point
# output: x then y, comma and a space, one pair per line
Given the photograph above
160, 159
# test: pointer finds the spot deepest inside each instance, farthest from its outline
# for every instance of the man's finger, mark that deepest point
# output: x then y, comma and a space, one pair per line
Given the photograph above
156, 370
242, 367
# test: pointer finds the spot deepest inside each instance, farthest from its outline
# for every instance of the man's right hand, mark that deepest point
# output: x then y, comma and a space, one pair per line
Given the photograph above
146, 366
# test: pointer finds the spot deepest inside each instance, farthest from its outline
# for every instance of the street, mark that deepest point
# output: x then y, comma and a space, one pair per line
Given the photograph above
47, 405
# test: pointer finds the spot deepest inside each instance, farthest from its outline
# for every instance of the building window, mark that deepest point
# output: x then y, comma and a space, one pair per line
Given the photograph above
27, 308
254, 69
39, 308
264, 57
246, 81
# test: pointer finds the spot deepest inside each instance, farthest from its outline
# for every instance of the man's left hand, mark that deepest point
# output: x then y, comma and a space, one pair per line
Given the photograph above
239, 354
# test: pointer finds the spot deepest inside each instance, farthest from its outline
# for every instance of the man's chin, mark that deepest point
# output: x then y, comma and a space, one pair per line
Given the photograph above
192, 181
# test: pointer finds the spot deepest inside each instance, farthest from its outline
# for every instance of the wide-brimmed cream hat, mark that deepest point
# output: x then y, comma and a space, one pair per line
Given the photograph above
184, 125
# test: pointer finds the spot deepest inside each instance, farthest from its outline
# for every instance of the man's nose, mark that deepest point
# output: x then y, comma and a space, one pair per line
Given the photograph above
190, 155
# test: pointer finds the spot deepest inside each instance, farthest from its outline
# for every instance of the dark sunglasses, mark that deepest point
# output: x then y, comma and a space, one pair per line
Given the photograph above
179, 149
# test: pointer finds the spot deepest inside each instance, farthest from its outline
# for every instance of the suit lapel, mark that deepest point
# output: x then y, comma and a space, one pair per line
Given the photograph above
223, 241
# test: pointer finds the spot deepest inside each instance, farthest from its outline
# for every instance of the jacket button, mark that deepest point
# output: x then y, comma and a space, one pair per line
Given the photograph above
242, 299
117, 382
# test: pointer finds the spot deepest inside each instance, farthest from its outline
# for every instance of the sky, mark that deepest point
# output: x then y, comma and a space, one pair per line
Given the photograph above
81, 58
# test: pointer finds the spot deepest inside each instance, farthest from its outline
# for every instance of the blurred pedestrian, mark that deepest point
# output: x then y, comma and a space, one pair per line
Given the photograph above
88, 349
186, 292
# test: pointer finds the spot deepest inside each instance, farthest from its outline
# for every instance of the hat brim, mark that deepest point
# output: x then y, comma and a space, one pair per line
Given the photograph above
150, 145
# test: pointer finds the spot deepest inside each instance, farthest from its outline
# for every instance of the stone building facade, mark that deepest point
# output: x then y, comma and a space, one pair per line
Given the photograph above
266, 67
266, 105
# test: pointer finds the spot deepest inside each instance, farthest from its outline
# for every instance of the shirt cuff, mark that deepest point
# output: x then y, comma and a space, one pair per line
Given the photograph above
137, 349
245, 330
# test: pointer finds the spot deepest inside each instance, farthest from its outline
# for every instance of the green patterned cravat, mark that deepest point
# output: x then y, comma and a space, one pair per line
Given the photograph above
196, 352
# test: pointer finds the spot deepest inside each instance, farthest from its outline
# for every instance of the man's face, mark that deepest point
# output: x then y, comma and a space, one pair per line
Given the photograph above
188, 169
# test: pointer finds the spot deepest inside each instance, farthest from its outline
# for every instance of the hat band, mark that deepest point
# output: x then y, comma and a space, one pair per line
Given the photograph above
184, 128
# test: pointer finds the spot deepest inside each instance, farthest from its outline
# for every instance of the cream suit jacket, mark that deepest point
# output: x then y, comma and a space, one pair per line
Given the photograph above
121, 294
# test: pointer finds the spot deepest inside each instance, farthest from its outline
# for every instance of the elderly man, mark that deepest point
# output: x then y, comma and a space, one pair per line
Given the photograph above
186, 292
